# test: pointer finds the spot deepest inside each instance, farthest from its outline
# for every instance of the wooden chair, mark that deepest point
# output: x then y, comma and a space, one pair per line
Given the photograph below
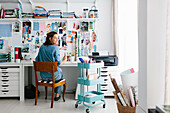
48, 67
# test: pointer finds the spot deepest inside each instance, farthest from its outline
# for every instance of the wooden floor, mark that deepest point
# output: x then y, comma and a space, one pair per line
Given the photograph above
13, 105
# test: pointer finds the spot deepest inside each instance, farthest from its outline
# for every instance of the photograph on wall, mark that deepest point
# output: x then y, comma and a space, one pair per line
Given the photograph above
63, 39
1, 43
84, 26
15, 27
26, 32
25, 48
48, 27
55, 27
90, 25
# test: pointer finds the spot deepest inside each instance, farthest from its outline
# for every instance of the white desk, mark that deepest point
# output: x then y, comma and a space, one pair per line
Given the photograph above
22, 66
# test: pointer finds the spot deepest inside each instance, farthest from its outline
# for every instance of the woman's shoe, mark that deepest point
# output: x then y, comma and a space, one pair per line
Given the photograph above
57, 98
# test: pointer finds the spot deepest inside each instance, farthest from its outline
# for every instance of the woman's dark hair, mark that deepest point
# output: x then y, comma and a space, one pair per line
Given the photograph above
49, 35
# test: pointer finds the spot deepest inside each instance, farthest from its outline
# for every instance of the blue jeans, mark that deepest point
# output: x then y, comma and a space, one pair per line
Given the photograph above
57, 77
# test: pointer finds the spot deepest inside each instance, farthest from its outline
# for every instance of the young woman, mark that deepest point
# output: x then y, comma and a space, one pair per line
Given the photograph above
49, 52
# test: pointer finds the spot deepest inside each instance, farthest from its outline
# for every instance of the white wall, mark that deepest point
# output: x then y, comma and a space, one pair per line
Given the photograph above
128, 34
152, 43
156, 45
103, 26
142, 39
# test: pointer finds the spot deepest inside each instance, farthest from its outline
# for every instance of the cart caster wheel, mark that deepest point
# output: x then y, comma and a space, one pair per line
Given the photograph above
87, 111
76, 105
93, 102
104, 105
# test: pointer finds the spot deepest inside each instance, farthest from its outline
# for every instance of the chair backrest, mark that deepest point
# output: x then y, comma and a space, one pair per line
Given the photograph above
44, 67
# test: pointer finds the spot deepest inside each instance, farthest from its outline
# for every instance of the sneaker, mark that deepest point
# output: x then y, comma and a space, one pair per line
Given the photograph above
57, 98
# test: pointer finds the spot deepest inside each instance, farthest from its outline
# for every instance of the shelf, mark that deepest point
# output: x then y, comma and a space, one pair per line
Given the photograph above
9, 19
91, 96
84, 81
51, 19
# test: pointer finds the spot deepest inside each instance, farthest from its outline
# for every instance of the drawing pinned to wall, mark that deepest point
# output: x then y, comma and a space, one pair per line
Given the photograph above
26, 31
55, 27
76, 25
37, 39
5, 30
36, 26
90, 25
25, 48
1, 43
63, 38
93, 40
84, 26
64, 26
15, 27
48, 27
68, 37
42, 26
60, 31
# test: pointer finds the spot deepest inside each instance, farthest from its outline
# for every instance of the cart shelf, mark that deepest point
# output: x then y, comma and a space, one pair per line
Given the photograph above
90, 82
91, 96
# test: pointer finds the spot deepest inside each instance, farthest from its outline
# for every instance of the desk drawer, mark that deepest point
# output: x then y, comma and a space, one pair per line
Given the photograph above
9, 82
104, 87
9, 69
9, 87
9, 76
9, 93
104, 73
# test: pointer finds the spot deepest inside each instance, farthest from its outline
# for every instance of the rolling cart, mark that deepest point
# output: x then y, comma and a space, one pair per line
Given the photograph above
90, 96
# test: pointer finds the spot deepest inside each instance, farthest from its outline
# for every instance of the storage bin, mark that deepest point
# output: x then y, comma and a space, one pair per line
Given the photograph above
123, 109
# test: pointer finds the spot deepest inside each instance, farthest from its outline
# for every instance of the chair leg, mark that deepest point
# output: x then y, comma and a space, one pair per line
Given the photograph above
52, 99
45, 92
36, 94
64, 89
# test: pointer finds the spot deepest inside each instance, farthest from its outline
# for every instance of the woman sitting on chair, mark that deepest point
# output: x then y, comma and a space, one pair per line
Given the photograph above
49, 52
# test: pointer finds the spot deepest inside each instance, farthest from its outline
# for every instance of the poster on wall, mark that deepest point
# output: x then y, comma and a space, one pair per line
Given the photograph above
48, 27
25, 48
26, 31
15, 27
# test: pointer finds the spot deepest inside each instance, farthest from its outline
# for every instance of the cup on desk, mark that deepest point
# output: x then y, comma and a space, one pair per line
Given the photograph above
72, 58
18, 60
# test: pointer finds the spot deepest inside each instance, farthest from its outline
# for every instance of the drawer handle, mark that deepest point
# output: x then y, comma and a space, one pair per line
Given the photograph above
5, 91
4, 76
5, 85
104, 85
4, 73
5, 80
105, 79
103, 90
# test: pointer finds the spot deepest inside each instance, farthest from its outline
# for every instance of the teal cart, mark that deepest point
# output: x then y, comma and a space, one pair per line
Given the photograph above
90, 96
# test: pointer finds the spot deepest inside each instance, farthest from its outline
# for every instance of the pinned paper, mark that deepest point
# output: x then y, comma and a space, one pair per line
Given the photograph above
42, 26
36, 26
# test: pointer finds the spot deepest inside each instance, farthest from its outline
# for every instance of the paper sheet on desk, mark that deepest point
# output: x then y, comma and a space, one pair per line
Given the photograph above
129, 80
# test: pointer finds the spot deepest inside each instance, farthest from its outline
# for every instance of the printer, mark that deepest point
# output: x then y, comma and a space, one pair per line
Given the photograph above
109, 60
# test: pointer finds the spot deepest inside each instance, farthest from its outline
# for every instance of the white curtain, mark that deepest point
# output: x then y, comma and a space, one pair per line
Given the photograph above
167, 71
114, 27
